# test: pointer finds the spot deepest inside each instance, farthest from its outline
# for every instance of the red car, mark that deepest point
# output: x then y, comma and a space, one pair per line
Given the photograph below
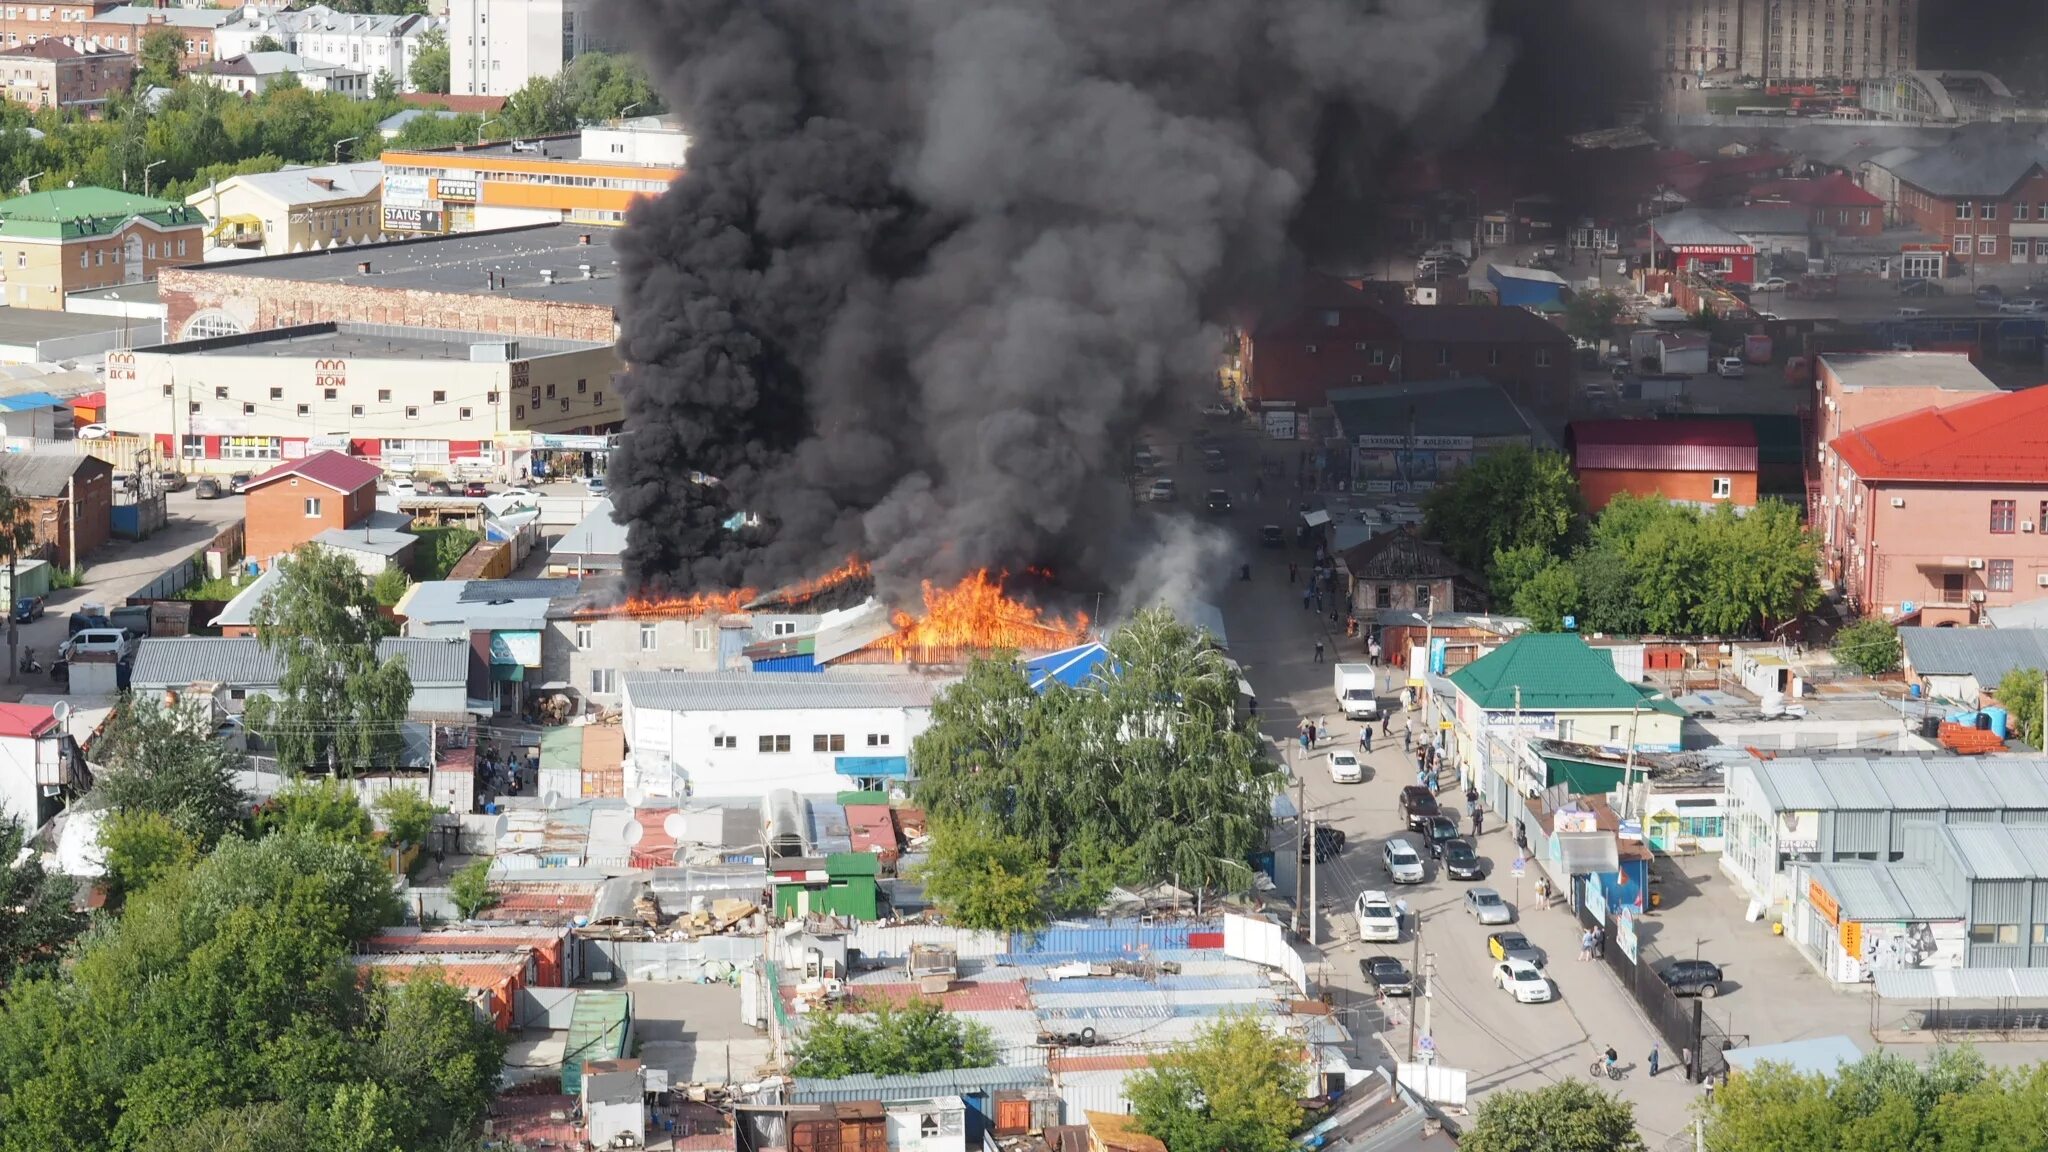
475, 488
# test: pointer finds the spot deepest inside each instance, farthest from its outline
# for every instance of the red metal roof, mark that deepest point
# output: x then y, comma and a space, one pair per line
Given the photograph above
336, 470
1663, 445
26, 721
1997, 438
655, 846
872, 828
1835, 190
89, 400
964, 996
452, 102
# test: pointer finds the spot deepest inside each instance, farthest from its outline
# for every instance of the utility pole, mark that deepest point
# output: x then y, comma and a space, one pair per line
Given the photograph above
1300, 820
1313, 933
1415, 967
1628, 764
1429, 999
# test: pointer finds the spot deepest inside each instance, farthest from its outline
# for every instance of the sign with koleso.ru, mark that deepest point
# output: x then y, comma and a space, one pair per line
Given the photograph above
411, 219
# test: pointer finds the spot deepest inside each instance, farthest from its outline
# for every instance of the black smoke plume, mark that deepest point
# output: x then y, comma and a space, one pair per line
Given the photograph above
933, 260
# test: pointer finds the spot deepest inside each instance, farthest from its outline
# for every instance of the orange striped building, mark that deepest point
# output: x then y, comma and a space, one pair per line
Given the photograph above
588, 177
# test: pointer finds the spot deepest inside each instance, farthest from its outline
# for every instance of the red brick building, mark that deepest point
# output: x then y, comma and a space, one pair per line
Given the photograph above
300, 499
1985, 193
123, 28
1341, 338
552, 280
1699, 462
1838, 205
53, 74
71, 500
21, 25
1944, 508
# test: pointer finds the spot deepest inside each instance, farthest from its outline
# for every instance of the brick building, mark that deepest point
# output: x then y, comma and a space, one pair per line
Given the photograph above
1399, 571
71, 498
1699, 462
515, 282
1984, 193
53, 74
123, 29
1528, 356
1852, 389
70, 239
1836, 204
1942, 510
298, 500
22, 25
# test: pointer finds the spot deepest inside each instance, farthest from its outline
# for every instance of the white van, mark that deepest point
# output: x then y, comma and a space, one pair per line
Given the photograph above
114, 640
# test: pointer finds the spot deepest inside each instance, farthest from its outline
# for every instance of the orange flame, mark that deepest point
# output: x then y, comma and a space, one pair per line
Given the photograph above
975, 615
854, 569
702, 604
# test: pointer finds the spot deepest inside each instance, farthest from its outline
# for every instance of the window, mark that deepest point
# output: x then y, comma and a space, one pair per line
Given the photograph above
412, 412
582, 386
251, 448
565, 403
383, 395
551, 391
774, 743
533, 395
597, 399
583, 637
1724, 487
728, 743
1863, 217
2003, 513
1962, 246
700, 639
2040, 934
192, 406
248, 409
277, 393
330, 394
604, 681
462, 413
831, 743
220, 393
1700, 827
647, 637
490, 397
519, 411
2019, 210
878, 739
1998, 575
1614, 732
1994, 933
1383, 596
167, 390
192, 447
1379, 356
2041, 244
1543, 357
1964, 209
355, 410
312, 506
1990, 211
440, 397
1443, 356
2019, 249
1422, 597
782, 628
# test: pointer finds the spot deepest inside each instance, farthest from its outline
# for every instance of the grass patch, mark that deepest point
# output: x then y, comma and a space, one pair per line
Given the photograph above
440, 549
1725, 103
221, 589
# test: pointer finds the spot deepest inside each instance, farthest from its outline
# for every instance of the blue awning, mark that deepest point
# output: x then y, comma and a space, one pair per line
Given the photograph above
895, 767
23, 401
1071, 666
518, 649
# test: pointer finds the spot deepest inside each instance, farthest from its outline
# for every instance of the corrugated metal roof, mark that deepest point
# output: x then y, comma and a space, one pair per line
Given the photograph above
44, 475
1911, 787
1926, 897
1986, 654
887, 1089
1854, 785
778, 691
1903, 783
1872, 891
1966, 787
174, 662
1663, 445
1996, 852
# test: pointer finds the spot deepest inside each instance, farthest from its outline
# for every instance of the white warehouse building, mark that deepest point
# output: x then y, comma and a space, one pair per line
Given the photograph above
749, 733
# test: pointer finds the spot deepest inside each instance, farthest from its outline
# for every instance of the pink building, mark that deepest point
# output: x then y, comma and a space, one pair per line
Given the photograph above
1943, 512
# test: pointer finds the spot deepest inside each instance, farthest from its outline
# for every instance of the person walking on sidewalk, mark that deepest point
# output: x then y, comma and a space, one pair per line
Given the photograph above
1308, 595
1292, 571
1372, 650
1478, 822
1653, 1061
1365, 738
1600, 943
1319, 651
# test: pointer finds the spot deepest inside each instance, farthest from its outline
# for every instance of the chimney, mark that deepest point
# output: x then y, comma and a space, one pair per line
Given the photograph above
583, 241
490, 280
363, 267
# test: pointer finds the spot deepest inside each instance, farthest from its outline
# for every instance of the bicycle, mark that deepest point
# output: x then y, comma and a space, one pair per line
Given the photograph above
1602, 1070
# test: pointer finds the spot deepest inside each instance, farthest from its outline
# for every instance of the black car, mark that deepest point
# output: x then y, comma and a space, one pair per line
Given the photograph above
1439, 831
1388, 977
1329, 842
1273, 536
208, 489
239, 481
1418, 806
1219, 500
1692, 978
1462, 862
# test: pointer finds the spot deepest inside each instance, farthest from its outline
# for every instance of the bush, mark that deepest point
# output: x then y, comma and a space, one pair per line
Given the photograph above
918, 1037
1869, 646
440, 550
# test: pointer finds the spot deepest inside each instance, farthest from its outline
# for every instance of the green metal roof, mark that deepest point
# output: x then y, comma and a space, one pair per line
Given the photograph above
72, 213
853, 864
599, 1027
1556, 672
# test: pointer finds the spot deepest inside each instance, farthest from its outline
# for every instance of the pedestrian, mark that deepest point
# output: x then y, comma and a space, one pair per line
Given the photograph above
1478, 822
1685, 1064
1600, 942
1319, 651
1319, 601
1322, 731
1292, 569
1408, 743
1365, 737
1387, 722
1307, 594
1653, 1061
1372, 650
1585, 945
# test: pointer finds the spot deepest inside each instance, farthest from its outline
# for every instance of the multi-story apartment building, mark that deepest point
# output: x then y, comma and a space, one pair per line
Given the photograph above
69, 239
23, 24
124, 28
53, 74
1984, 193
367, 42
496, 46
1786, 39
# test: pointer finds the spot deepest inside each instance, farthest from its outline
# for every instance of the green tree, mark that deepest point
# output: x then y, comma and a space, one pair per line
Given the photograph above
408, 818
980, 878
918, 1037
324, 808
2019, 693
162, 58
1234, 1088
1546, 598
384, 87
390, 585
540, 108
143, 847
1952, 1102
1568, 1116
266, 44
340, 706
1870, 646
603, 85
1513, 567
1511, 498
165, 760
1590, 315
430, 67
1143, 775
470, 888
430, 1040
36, 918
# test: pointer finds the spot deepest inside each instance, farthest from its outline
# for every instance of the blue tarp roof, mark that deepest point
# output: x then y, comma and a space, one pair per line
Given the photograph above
1070, 666
877, 766
23, 401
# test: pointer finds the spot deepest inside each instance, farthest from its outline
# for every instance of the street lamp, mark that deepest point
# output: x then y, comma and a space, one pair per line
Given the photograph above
145, 175
28, 182
340, 142
486, 124
629, 108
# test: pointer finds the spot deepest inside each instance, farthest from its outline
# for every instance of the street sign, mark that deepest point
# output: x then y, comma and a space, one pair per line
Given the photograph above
1520, 866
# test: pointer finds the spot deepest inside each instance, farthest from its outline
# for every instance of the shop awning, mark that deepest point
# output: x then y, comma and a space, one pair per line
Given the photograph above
519, 649
894, 767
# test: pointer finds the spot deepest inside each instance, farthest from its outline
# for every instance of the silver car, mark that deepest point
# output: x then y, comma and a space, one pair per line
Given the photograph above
1486, 905
1404, 865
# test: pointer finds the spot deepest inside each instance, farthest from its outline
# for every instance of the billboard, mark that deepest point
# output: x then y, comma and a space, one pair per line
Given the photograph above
406, 191
411, 219
1798, 832
450, 188
1890, 946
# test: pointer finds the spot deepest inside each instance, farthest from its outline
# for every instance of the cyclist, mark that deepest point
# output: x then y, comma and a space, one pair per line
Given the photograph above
1610, 1058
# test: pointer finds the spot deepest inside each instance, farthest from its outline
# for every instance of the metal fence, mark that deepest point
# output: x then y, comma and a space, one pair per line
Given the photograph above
1682, 1023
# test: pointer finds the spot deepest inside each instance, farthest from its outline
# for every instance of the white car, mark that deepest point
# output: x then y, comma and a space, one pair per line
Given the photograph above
94, 432
1523, 980
1218, 409
1162, 491
114, 640
1731, 367
2023, 306
1772, 284
403, 486
1404, 863
596, 486
1345, 768
1377, 919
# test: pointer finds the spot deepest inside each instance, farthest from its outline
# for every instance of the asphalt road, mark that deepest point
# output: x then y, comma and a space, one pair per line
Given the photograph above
1475, 1027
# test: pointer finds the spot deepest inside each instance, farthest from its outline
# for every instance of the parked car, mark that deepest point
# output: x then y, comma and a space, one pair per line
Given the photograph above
2023, 306
113, 640
1272, 536
1418, 806
1387, 975
94, 432
1329, 844
207, 489
403, 487
1213, 460
1461, 862
1219, 408
88, 615
1692, 978
1345, 768
596, 486
1773, 284
1403, 865
1514, 946
476, 489
1487, 907
1162, 491
440, 488
1440, 830
1921, 287
1989, 294
27, 609
1731, 367
1524, 981
240, 481
171, 480
1377, 919
1218, 500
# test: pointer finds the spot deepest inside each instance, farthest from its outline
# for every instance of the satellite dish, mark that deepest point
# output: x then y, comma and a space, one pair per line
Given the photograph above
62, 711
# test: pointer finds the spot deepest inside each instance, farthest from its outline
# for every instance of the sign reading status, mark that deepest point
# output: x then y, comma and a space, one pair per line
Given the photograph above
411, 219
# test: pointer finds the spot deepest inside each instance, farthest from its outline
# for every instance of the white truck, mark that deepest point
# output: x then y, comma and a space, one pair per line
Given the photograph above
1358, 691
